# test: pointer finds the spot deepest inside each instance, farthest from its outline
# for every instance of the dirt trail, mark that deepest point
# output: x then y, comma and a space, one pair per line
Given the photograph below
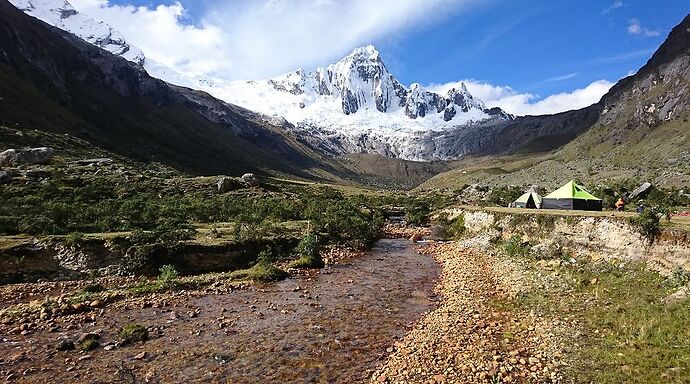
332, 327
468, 339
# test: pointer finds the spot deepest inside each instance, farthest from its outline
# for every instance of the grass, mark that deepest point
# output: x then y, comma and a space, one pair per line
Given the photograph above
133, 333
628, 335
262, 272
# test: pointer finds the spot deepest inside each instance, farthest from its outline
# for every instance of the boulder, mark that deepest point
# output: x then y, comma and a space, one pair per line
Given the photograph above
641, 191
227, 184
250, 179
27, 156
5, 178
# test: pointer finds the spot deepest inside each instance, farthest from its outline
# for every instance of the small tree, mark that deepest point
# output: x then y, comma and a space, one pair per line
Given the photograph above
647, 224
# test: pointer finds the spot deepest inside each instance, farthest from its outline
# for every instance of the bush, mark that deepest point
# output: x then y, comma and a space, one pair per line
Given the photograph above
502, 196
263, 272
168, 276
647, 225
516, 247
74, 239
418, 213
680, 277
309, 252
88, 344
449, 229
132, 333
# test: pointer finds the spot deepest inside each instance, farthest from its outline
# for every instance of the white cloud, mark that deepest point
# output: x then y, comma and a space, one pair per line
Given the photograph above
255, 39
636, 28
615, 5
522, 104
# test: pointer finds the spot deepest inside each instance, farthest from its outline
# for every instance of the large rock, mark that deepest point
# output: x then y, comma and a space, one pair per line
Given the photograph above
641, 191
17, 157
250, 179
227, 184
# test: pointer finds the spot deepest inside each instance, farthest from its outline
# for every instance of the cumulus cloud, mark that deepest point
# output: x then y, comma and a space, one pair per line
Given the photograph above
522, 104
161, 34
252, 39
636, 28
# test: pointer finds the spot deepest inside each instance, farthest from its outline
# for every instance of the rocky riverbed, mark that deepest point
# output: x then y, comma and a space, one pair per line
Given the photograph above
470, 338
336, 325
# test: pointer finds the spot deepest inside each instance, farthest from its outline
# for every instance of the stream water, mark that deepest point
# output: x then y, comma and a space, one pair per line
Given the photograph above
333, 327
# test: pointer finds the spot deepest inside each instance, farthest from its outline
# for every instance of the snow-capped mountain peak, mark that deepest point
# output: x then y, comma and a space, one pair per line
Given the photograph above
353, 105
61, 14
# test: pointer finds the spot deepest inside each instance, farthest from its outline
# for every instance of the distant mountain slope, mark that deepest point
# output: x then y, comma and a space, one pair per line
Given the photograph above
51, 80
639, 129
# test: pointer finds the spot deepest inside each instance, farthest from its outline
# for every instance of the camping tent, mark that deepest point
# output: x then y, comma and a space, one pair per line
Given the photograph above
531, 199
571, 196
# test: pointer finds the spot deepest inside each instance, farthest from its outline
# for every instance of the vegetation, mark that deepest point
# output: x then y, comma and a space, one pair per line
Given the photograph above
514, 247
168, 276
309, 253
502, 196
647, 224
133, 333
93, 288
262, 272
418, 213
89, 343
626, 332
452, 229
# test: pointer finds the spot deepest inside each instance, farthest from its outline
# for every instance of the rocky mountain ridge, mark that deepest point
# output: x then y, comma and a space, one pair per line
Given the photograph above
353, 106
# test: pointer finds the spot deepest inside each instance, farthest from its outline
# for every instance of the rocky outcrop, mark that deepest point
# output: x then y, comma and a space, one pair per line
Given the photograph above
56, 260
595, 237
26, 156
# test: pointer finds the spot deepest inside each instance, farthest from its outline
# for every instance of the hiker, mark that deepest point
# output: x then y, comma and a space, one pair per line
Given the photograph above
640, 208
620, 204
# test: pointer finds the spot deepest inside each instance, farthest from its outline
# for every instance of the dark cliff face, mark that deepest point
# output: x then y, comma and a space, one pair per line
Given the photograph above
51, 80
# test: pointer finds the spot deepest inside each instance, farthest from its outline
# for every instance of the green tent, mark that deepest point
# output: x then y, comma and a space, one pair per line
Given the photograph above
571, 196
531, 199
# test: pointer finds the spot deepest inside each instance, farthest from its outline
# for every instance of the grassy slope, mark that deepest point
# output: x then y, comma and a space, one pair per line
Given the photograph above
648, 155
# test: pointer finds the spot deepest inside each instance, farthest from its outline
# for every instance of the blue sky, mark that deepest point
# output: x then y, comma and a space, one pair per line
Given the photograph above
531, 48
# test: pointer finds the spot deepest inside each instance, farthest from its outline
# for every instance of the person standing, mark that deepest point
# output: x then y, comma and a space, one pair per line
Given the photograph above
620, 204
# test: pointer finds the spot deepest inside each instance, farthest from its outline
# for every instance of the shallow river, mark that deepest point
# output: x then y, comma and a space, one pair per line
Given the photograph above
333, 327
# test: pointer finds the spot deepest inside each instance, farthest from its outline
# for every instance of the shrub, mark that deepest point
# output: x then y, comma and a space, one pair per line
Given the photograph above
502, 196
418, 213
647, 225
516, 247
168, 276
88, 344
263, 272
680, 276
449, 229
309, 252
132, 333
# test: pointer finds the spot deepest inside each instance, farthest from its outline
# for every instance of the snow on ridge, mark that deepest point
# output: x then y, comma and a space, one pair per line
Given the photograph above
353, 105
61, 14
